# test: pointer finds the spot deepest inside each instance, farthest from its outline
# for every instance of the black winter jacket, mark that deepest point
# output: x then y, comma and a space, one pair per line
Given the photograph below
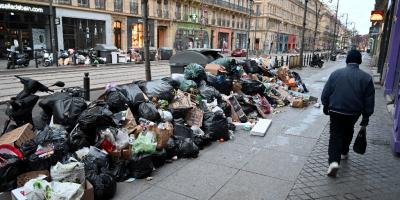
350, 91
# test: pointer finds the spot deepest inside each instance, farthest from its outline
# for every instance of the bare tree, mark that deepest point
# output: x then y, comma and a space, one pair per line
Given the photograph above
317, 19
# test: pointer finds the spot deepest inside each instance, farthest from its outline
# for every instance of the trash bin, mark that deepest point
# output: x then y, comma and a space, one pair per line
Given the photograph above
152, 53
114, 57
104, 51
165, 53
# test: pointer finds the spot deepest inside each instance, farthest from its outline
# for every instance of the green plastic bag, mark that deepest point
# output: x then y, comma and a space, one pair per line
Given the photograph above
223, 61
144, 143
195, 72
187, 84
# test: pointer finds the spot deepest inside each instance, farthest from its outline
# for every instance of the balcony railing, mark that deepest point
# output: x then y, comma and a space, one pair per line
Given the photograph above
66, 2
159, 13
118, 5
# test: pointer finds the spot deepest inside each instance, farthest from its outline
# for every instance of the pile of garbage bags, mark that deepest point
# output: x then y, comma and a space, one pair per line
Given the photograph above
133, 129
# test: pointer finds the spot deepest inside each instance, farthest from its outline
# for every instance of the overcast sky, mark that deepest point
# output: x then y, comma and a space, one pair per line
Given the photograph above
359, 12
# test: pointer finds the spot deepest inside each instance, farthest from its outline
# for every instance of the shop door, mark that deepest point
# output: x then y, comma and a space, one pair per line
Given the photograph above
117, 34
257, 45
161, 37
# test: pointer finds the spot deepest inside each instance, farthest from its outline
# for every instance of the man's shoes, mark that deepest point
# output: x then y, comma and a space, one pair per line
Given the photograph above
344, 157
333, 168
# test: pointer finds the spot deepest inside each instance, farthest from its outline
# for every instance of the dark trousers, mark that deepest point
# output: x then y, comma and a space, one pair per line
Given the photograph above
341, 134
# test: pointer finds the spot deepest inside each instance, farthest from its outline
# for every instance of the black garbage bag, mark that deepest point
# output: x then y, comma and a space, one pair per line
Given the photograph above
140, 166
78, 139
104, 184
226, 62
10, 167
96, 115
195, 72
187, 148
119, 170
134, 95
216, 125
252, 87
96, 163
251, 67
116, 100
47, 104
221, 83
173, 82
52, 140
182, 131
178, 113
67, 111
158, 158
209, 93
157, 88
171, 148
200, 138
226, 107
149, 111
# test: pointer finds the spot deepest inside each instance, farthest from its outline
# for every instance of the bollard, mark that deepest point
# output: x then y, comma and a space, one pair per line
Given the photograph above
282, 62
309, 59
276, 64
287, 60
86, 86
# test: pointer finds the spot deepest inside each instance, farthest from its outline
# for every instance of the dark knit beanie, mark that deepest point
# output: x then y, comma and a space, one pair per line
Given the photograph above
354, 56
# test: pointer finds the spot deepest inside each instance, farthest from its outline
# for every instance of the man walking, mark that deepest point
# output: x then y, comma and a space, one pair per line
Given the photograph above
348, 94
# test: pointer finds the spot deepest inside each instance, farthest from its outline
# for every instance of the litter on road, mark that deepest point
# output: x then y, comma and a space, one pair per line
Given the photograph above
80, 150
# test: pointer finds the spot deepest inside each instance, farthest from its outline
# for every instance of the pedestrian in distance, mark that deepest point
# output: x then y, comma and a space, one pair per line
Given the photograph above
348, 94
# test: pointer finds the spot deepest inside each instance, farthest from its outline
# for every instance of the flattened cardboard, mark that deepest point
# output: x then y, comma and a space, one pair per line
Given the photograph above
18, 136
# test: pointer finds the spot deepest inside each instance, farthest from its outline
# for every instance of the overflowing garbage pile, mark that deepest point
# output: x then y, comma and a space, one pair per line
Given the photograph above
86, 147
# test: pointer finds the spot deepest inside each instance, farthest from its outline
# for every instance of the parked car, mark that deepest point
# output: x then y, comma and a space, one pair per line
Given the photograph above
239, 53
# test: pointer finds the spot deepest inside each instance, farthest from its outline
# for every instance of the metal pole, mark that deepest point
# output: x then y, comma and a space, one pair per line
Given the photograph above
255, 31
52, 37
302, 33
146, 39
334, 31
277, 38
317, 11
248, 30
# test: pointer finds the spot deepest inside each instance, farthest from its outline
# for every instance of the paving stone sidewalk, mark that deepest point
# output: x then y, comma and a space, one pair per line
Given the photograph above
374, 175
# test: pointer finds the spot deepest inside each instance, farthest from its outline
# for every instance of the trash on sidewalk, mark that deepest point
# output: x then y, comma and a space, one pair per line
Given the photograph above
136, 128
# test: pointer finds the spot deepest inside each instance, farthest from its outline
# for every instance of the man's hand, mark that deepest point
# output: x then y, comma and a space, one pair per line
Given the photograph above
326, 110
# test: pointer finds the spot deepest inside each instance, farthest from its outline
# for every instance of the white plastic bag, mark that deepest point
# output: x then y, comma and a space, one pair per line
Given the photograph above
66, 191
73, 172
37, 189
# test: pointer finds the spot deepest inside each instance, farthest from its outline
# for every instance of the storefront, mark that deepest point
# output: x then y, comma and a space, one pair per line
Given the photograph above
292, 42
240, 39
135, 32
190, 36
221, 35
84, 32
24, 26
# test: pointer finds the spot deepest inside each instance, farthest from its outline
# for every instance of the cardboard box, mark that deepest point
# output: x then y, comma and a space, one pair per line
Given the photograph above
88, 194
18, 136
194, 117
23, 178
214, 69
238, 114
298, 103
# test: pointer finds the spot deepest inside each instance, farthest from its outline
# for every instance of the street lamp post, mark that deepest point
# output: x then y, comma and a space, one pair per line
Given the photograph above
248, 28
302, 33
277, 37
334, 31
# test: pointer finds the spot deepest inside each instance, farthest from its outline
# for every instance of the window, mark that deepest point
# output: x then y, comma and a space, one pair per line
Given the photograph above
82, 33
134, 7
117, 34
165, 9
178, 11
100, 4
159, 11
186, 12
137, 35
233, 21
118, 5
83, 3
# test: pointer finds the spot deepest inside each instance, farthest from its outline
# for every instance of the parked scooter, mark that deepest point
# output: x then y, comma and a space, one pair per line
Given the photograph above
47, 58
316, 61
94, 59
333, 56
17, 59
19, 108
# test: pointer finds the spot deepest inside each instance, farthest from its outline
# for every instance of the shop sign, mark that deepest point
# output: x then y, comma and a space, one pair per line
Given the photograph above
188, 26
20, 7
